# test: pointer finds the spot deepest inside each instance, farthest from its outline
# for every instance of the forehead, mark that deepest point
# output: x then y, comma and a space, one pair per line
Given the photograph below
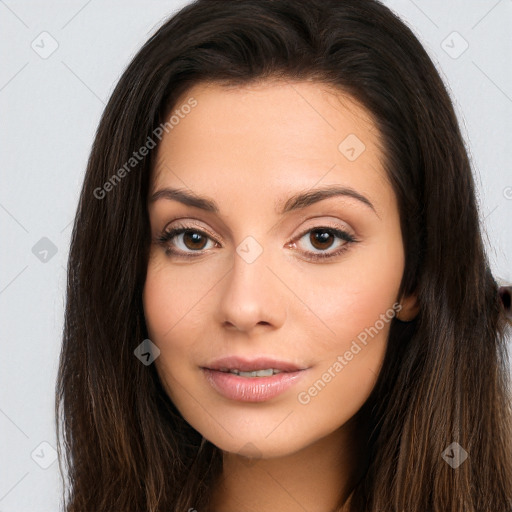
271, 131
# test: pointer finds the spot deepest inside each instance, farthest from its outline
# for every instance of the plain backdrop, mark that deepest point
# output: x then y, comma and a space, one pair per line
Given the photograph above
60, 62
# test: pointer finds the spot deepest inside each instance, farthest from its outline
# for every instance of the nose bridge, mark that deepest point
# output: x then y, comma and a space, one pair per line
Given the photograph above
251, 294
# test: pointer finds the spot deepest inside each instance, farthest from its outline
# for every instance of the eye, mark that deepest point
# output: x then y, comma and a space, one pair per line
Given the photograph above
189, 242
319, 239
185, 241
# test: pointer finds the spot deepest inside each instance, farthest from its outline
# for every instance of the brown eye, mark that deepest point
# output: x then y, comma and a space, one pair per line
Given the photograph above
316, 242
194, 240
321, 239
185, 241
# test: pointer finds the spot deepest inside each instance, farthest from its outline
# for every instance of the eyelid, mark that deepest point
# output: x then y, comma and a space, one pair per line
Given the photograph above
189, 225
326, 224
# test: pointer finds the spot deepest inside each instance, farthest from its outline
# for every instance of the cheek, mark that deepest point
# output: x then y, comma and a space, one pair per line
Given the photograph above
166, 303
356, 304
353, 296
165, 310
159, 306
174, 297
177, 309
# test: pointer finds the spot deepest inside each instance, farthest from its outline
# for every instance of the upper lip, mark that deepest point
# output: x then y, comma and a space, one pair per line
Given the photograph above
247, 365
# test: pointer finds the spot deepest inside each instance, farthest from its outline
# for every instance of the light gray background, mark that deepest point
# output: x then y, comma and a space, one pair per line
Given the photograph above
50, 108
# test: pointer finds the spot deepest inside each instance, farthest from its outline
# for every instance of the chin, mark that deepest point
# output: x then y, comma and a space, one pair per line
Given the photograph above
257, 448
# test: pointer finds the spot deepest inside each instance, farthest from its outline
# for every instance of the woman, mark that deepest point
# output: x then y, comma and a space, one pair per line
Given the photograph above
278, 295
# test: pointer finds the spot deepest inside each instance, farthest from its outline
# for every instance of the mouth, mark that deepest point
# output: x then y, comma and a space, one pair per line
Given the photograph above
261, 364
255, 380
268, 372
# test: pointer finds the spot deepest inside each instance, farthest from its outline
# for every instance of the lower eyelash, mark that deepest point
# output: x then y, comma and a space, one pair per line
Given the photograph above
166, 236
324, 255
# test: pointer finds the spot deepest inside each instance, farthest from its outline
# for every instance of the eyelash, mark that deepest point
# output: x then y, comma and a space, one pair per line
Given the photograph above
167, 235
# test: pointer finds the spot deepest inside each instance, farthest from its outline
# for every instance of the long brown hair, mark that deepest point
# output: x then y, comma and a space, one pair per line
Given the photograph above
445, 377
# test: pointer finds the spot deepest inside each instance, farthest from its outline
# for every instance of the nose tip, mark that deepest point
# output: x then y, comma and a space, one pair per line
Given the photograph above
251, 298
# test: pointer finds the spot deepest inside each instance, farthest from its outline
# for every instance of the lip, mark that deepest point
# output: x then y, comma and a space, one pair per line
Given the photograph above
251, 389
247, 365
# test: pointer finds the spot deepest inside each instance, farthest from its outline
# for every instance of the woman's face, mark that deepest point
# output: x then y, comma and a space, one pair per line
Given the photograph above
309, 284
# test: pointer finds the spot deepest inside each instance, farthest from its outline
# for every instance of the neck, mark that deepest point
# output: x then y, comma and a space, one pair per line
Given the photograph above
317, 478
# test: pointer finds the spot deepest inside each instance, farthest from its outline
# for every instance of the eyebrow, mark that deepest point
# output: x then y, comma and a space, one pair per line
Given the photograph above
296, 202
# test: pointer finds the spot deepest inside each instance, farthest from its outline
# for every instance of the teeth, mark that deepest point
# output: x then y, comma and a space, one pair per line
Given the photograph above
258, 373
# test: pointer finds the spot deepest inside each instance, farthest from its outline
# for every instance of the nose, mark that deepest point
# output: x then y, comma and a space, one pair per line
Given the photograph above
252, 296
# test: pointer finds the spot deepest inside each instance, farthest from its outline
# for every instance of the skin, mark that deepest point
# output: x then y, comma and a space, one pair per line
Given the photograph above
249, 148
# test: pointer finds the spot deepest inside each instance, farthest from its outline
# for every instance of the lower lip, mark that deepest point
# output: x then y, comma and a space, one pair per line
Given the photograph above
251, 389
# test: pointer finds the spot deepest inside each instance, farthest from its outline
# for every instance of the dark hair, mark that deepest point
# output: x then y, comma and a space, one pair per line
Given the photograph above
445, 376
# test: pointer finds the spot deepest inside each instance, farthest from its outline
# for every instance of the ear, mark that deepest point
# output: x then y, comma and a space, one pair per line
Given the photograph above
410, 308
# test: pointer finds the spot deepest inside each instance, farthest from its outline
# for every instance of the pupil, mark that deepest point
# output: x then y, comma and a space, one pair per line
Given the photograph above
191, 238
320, 237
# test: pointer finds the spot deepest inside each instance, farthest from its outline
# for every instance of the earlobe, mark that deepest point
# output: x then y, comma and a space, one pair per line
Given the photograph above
410, 308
